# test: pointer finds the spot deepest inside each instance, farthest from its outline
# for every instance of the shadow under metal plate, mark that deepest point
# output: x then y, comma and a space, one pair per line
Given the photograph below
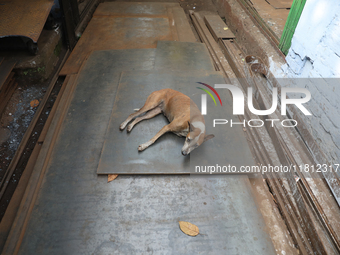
120, 154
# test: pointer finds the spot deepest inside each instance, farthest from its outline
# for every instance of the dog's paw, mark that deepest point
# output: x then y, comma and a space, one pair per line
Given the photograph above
129, 128
121, 127
142, 147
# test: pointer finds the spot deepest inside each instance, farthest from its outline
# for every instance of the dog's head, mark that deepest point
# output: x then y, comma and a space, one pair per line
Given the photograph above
195, 137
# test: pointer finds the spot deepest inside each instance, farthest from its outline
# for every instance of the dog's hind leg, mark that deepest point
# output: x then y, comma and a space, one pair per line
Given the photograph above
153, 101
150, 114
142, 110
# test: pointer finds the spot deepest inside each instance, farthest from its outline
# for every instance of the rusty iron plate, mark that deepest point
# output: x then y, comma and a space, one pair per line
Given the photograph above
120, 154
133, 9
79, 213
217, 27
106, 33
23, 18
180, 20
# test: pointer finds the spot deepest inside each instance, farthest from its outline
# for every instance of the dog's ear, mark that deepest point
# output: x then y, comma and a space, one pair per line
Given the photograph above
208, 137
191, 127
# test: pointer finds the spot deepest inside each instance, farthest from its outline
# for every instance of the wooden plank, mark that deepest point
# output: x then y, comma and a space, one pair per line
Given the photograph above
217, 27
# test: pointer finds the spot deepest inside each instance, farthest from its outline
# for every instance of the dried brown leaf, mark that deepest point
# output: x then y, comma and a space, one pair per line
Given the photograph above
111, 177
34, 103
188, 228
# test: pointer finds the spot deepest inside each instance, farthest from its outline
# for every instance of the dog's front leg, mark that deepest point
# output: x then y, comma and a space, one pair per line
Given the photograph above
164, 130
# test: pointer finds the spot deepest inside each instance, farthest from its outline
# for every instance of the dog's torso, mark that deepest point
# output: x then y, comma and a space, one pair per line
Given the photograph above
177, 107
183, 114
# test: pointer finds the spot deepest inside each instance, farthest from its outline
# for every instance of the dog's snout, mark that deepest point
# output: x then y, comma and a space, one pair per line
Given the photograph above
184, 153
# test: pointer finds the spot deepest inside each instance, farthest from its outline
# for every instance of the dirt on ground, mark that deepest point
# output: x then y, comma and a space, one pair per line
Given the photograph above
17, 117
14, 122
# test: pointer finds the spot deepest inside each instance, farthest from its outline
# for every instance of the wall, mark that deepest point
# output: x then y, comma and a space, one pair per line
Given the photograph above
315, 53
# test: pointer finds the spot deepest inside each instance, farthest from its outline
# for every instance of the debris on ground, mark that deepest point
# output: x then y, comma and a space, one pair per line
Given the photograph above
111, 177
188, 228
34, 103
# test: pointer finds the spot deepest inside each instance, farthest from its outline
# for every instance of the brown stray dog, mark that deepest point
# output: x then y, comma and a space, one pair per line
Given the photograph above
176, 107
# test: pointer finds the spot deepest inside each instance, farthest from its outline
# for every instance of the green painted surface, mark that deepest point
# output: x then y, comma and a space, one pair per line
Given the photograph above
291, 23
